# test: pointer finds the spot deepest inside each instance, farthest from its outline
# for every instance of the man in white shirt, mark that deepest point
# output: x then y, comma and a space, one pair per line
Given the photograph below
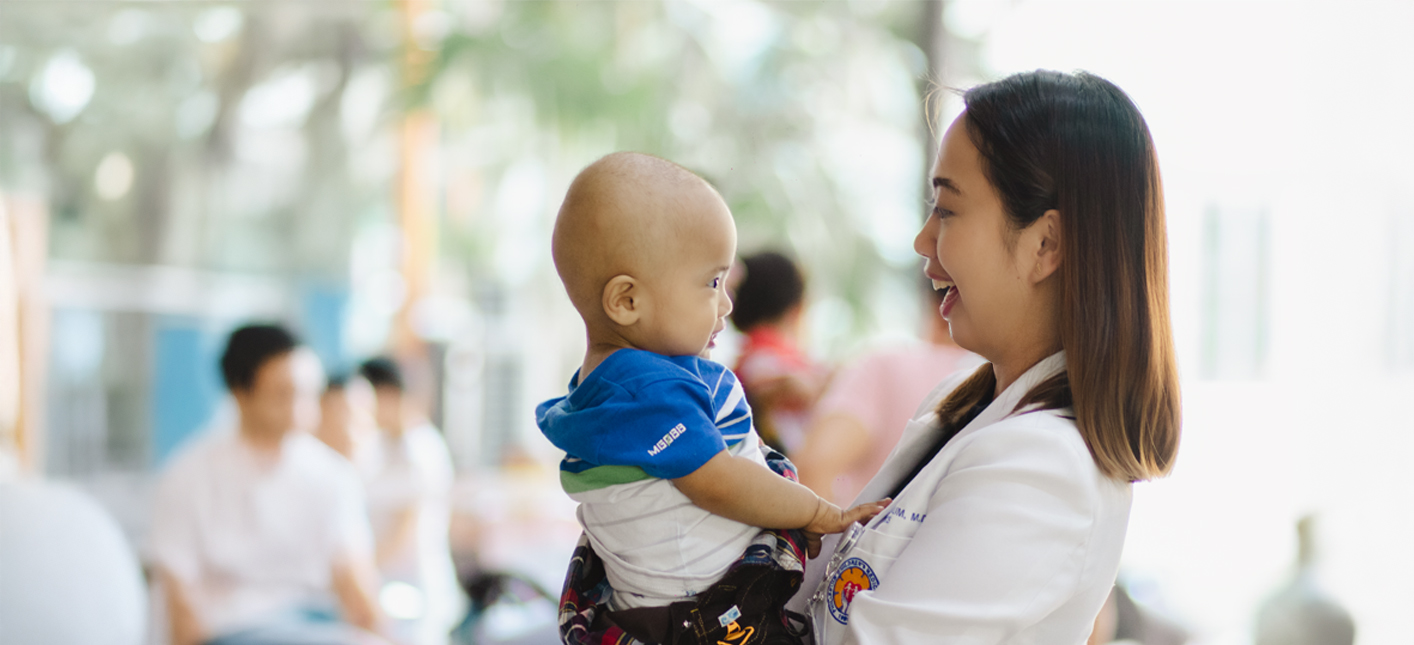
259, 535
407, 474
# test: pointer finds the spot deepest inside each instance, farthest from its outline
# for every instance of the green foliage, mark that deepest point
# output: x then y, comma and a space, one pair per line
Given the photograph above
756, 97
752, 113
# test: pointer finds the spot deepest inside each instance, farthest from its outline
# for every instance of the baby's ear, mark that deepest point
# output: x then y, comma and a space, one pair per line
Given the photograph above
623, 300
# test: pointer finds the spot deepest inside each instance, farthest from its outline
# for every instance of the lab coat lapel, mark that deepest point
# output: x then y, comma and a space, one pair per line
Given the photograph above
921, 431
919, 434
1005, 405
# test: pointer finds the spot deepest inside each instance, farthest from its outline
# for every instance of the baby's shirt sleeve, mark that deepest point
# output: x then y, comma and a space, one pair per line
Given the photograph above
665, 427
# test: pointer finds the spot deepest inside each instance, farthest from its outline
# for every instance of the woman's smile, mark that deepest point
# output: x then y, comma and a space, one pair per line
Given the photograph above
949, 289
950, 298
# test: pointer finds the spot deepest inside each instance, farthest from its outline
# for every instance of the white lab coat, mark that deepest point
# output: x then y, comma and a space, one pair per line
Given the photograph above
1010, 535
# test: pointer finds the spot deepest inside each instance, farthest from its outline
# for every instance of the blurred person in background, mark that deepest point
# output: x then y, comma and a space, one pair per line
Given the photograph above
408, 476
346, 415
861, 416
781, 382
259, 535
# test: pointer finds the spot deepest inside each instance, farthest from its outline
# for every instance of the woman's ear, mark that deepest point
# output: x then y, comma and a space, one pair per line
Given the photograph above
1047, 229
623, 300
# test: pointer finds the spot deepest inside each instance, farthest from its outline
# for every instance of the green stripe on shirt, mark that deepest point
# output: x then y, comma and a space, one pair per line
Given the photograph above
601, 477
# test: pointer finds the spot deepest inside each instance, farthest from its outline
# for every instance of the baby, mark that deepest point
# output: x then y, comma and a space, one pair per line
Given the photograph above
662, 456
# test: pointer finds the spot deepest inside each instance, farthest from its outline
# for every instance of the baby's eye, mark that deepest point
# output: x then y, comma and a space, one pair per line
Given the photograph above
716, 282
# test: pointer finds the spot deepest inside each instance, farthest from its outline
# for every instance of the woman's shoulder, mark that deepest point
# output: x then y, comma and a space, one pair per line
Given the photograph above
1040, 445
1054, 427
1048, 431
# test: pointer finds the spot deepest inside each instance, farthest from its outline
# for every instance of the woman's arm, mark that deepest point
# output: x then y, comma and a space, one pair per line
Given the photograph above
1005, 542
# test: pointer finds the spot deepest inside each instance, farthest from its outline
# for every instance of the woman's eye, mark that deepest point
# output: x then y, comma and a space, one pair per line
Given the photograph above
941, 213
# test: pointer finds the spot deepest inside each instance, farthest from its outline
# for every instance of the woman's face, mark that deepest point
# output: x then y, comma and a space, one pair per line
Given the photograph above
971, 250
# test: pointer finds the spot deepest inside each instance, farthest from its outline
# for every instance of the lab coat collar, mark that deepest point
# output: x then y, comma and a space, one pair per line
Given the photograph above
1042, 370
921, 432
1006, 403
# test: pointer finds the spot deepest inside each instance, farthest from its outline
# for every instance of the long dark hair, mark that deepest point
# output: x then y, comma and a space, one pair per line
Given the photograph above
1077, 143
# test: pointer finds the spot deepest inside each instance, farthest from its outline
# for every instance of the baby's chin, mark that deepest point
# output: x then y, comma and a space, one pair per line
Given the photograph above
711, 345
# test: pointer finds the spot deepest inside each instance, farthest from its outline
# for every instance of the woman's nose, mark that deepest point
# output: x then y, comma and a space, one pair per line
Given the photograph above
926, 242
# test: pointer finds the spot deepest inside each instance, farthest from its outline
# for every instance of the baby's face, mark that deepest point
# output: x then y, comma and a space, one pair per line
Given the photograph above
688, 303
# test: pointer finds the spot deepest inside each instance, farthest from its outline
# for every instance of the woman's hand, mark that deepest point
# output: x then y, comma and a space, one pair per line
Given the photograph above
831, 519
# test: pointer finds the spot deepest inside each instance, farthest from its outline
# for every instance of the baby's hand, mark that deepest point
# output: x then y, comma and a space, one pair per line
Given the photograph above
830, 519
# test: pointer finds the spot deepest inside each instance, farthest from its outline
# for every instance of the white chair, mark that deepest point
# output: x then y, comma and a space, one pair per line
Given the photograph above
67, 575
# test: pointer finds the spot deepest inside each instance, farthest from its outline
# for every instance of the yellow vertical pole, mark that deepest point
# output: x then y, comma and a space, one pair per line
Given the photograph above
25, 247
10, 348
417, 185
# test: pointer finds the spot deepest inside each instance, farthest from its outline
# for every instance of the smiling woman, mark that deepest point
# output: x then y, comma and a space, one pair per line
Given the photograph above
1012, 487
1081, 185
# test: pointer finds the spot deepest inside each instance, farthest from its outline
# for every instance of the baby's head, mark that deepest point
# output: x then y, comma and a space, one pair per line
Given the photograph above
643, 247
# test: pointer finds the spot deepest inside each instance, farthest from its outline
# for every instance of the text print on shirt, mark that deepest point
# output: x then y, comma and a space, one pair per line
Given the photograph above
667, 440
903, 513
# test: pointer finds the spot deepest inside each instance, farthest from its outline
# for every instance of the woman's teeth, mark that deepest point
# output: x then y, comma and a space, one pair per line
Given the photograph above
939, 285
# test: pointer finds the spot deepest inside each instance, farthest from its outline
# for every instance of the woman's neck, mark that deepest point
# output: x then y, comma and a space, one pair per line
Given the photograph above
1010, 368
1032, 342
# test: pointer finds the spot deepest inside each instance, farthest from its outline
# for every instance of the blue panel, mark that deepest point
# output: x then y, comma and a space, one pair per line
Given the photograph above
323, 309
186, 383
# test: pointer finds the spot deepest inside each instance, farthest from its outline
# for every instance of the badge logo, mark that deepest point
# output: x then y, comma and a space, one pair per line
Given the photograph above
853, 577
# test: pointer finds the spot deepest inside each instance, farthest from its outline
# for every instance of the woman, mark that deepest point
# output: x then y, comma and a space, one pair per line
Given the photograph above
1011, 486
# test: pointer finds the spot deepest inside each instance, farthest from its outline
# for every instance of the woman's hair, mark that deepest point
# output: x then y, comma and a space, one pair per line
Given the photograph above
771, 287
1076, 143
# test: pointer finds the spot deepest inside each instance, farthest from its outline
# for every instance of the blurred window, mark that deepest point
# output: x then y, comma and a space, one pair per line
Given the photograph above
1236, 298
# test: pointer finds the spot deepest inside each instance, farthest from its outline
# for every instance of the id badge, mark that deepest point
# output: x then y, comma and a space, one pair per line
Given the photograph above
821, 601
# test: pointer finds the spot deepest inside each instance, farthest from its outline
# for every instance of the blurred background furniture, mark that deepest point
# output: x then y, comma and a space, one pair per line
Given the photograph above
67, 575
